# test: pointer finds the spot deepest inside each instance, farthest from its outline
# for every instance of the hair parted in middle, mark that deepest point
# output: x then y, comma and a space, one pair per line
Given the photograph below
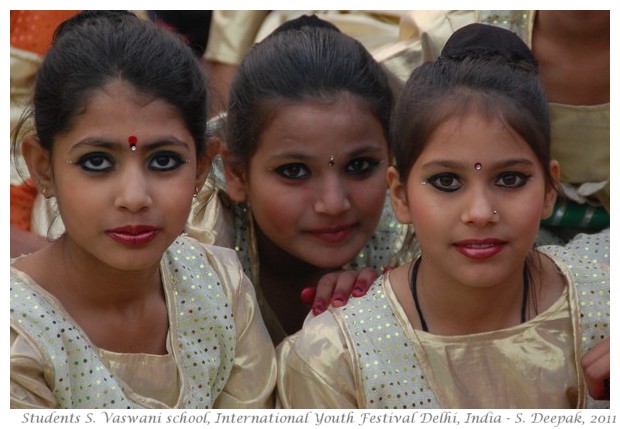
305, 59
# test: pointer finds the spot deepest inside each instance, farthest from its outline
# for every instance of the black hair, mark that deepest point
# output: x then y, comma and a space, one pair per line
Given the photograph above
192, 25
304, 59
483, 67
94, 48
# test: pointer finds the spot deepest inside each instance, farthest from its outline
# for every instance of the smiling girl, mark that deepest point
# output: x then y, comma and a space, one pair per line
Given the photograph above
122, 311
479, 319
305, 159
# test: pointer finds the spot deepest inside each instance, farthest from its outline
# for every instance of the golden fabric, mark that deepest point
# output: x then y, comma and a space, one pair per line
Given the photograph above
24, 66
233, 32
580, 139
318, 367
422, 35
508, 352
155, 379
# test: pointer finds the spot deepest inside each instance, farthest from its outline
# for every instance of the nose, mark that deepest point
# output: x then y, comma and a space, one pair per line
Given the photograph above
332, 196
133, 190
479, 208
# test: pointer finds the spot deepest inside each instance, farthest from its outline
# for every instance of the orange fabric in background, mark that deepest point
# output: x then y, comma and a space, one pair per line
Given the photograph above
22, 201
32, 30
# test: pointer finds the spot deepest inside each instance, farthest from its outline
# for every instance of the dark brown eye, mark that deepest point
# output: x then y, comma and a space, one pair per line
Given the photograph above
293, 171
446, 182
512, 180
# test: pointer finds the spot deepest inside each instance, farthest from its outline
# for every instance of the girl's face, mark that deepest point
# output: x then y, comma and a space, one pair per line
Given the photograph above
121, 206
475, 197
316, 184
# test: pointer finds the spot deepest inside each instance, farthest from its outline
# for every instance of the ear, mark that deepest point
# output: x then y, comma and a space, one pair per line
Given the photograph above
551, 193
39, 165
236, 178
398, 196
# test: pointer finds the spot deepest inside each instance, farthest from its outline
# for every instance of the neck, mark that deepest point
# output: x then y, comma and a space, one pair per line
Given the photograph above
452, 307
282, 278
107, 286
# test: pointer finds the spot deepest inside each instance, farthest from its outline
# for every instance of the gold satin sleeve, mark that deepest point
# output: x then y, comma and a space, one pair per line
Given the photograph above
29, 388
232, 33
24, 66
316, 369
252, 380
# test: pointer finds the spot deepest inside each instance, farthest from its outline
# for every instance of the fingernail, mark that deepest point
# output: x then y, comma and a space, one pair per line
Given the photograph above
359, 288
338, 302
318, 308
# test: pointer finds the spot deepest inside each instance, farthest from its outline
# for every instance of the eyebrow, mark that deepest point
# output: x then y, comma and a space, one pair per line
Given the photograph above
115, 145
370, 149
456, 165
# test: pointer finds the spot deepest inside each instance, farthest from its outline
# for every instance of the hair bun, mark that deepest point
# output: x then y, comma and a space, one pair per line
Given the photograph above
305, 21
487, 41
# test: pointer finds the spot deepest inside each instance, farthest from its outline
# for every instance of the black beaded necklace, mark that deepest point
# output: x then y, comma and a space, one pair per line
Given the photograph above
414, 291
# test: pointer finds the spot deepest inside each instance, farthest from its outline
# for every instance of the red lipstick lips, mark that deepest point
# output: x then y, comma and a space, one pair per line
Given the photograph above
480, 248
133, 235
335, 234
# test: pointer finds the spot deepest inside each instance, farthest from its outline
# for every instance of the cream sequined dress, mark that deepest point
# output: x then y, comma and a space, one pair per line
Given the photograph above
219, 353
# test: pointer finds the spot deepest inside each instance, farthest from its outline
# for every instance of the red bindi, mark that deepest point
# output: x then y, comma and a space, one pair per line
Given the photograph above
132, 140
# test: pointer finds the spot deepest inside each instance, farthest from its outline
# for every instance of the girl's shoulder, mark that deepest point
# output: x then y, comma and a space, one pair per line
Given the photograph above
584, 268
591, 247
188, 245
585, 251
189, 257
329, 327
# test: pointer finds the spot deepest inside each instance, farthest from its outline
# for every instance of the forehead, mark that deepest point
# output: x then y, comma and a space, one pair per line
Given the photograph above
329, 124
117, 111
116, 90
475, 134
